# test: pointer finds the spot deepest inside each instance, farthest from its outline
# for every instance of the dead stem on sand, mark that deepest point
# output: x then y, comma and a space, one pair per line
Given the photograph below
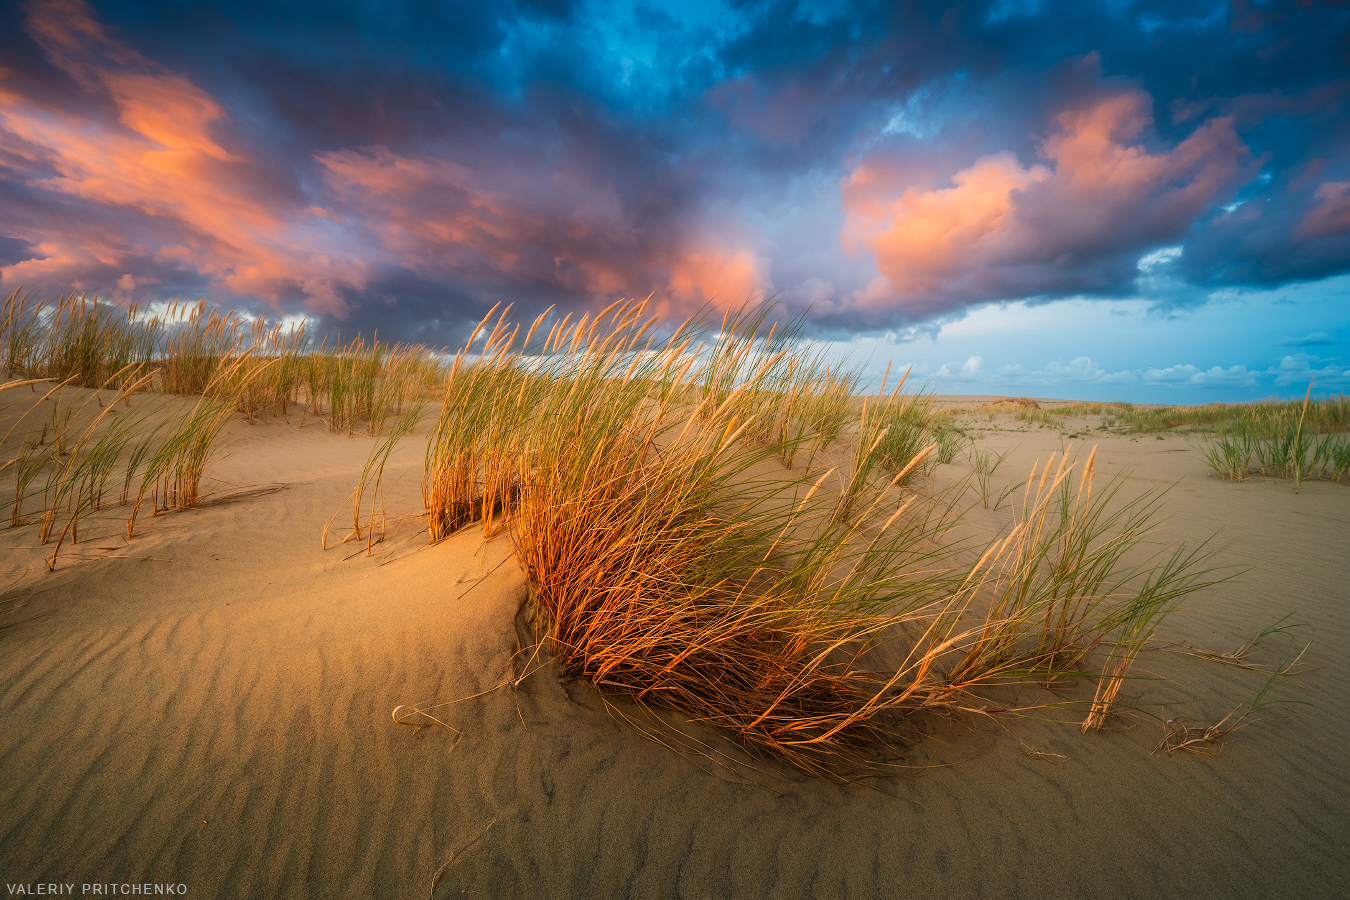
1240, 656
1179, 734
455, 857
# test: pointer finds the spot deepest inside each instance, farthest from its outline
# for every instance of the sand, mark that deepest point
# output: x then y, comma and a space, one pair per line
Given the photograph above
210, 705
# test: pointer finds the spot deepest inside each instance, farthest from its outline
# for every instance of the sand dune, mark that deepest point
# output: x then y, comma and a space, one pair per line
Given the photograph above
211, 705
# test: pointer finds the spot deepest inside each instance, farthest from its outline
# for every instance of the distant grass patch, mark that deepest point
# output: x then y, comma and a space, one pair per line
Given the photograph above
1326, 414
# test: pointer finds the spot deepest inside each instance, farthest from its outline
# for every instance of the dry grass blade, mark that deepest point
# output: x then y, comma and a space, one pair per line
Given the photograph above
1180, 735
1240, 656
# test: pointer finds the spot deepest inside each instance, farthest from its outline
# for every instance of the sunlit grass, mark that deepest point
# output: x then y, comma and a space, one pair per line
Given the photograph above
810, 613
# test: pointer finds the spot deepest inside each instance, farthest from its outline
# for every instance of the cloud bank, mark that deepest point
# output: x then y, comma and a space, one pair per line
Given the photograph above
886, 165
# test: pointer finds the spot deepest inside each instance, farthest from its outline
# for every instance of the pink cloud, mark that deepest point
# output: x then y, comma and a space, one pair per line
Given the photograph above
437, 215
157, 152
1070, 224
1330, 215
556, 226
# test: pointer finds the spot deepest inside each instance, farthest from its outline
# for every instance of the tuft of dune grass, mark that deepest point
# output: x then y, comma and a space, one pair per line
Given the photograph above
674, 560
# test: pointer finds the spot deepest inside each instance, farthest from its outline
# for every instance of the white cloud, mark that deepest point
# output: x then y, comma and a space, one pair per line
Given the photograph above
903, 122
1300, 368
911, 117
1150, 261
1083, 369
970, 370
1183, 373
1215, 376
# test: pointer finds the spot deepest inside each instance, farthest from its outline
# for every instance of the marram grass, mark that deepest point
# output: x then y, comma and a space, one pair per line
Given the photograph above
675, 560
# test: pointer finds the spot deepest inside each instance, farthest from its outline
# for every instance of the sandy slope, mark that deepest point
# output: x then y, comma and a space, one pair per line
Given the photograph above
216, 712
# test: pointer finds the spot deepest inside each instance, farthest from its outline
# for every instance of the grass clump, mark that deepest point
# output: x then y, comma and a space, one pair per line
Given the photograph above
1299, 442
64, 468
85, 342
1027, 414
471, 467
984, 464
665, 570
902, 434
1323, 415
811, 614
797, 397
77, 339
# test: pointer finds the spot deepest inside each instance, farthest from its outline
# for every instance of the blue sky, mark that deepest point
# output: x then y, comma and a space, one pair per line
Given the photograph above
1130, 199
1243, 344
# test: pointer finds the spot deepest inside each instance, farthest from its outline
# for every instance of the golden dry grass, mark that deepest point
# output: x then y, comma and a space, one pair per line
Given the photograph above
672, 565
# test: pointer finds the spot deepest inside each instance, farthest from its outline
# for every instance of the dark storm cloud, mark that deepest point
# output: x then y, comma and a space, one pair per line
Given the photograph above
404, 166
12, 250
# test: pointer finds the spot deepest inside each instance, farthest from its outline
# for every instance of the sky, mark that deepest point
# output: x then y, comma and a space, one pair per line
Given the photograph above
1144, 201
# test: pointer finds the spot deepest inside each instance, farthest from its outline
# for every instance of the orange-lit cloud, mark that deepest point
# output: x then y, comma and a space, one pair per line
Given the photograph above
158, 153
724, 278
1005, 230
154, 178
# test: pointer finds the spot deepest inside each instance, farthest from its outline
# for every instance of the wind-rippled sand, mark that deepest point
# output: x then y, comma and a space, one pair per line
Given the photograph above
211, 706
